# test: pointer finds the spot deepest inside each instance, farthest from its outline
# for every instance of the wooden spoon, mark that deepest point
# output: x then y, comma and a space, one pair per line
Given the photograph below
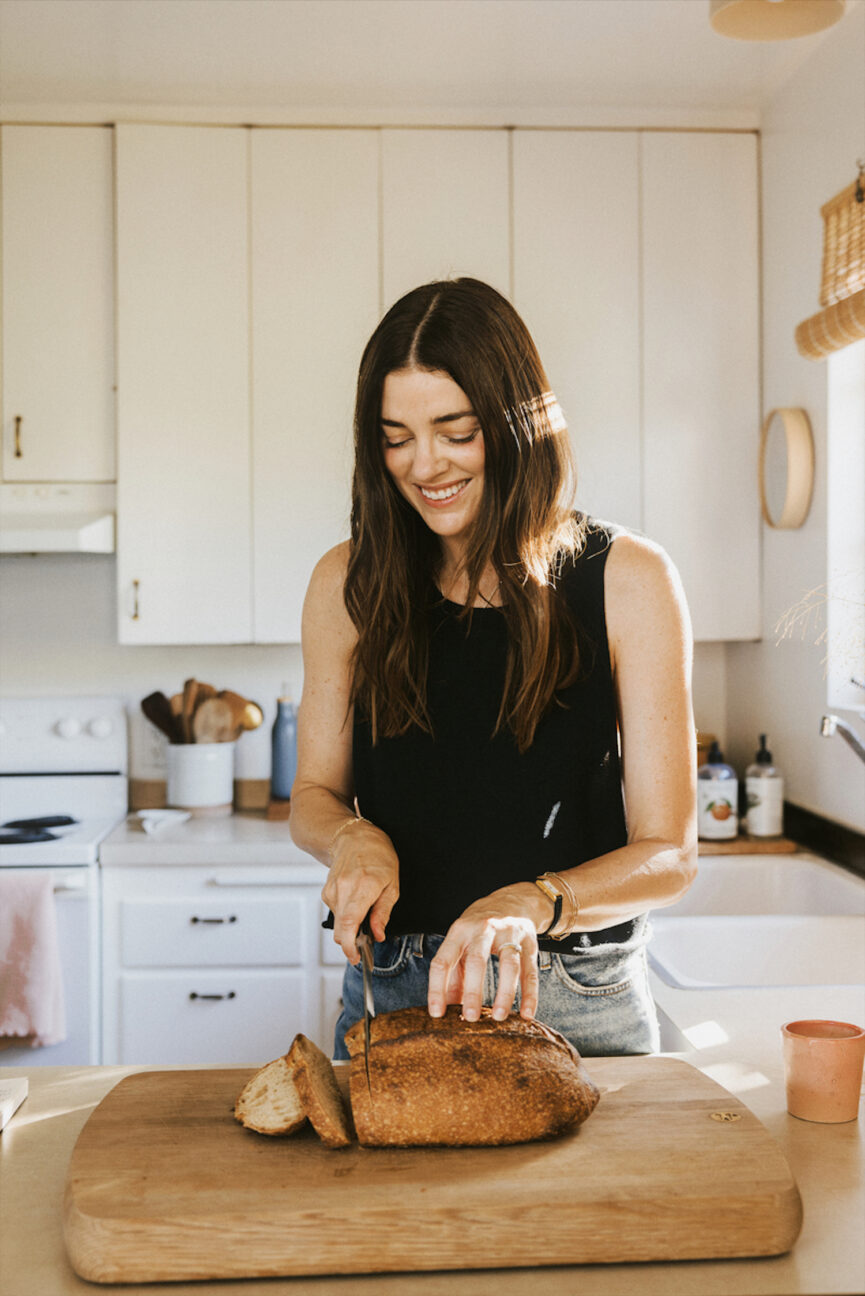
247, 715
190, 697
214, 722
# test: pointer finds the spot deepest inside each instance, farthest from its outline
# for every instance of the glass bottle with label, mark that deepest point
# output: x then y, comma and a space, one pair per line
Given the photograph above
717, 798
764, 793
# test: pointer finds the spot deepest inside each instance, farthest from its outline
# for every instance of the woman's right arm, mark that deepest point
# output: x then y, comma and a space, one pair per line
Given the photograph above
363, 868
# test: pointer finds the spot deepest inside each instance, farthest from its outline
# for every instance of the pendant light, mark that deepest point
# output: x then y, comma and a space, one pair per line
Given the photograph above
770, 20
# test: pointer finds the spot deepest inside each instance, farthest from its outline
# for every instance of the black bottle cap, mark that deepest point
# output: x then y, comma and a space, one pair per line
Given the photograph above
715, 756
764, 756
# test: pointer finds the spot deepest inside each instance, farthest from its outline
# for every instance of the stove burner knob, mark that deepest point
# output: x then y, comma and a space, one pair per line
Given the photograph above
101, 727
68, 728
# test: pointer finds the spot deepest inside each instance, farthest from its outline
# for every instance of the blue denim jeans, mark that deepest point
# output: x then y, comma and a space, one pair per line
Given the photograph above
600, 1000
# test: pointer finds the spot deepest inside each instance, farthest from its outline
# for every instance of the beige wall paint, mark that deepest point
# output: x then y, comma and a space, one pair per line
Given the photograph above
812, 133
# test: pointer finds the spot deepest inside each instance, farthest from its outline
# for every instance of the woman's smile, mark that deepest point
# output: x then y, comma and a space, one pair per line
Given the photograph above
434, 450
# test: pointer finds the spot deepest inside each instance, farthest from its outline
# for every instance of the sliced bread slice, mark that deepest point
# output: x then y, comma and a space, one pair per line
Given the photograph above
320, 1094
280, 1096
269, 1102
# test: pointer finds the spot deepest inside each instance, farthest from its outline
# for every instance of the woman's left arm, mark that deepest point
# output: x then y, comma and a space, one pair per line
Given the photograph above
649, 634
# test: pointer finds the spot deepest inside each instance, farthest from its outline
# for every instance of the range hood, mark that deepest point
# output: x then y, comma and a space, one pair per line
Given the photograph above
47, 518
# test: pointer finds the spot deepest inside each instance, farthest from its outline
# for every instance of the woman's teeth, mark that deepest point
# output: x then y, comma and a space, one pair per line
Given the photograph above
447, 493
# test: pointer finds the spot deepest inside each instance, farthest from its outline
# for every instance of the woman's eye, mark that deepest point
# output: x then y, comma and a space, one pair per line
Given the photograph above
464, 440
395, 445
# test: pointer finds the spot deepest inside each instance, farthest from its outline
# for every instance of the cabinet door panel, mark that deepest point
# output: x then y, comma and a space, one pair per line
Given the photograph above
183, 492
445, 205
315, 302
576, 284
58, 304
252, 1017
701, 371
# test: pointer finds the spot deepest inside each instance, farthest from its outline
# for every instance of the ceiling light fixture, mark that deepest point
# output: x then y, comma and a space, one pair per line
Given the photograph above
771, 20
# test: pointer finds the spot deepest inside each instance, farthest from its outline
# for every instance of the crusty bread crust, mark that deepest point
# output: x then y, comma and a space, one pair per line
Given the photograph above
319, 1093
454, 1083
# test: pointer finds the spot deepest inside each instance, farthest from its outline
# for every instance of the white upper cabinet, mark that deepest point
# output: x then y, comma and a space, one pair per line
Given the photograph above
315, 301
577, 286
701, 365
58, 304
184, 481
445, 208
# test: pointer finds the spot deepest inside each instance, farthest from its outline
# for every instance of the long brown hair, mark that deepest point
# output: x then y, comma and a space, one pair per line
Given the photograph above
525, 530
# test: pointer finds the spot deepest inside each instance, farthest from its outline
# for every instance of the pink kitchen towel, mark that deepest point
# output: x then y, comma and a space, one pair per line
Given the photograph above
31, 974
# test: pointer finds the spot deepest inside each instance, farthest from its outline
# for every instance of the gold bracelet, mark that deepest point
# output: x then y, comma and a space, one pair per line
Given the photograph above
346, 823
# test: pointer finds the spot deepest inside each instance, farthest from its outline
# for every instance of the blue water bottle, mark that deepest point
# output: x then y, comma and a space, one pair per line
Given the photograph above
283, 748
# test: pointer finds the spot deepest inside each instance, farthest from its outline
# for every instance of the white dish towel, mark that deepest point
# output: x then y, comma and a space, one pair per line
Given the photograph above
32, 1007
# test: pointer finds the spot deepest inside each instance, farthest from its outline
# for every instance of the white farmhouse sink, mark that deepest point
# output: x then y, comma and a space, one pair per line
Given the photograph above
770, 884
703, 952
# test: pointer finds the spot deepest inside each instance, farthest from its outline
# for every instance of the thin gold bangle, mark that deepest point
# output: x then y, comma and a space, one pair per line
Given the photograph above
568, 920
346, 823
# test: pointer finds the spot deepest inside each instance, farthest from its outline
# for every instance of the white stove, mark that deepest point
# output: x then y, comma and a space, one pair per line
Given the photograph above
63, 788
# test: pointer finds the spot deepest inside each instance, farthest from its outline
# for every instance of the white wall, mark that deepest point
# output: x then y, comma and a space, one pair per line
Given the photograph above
812, 133
59, 636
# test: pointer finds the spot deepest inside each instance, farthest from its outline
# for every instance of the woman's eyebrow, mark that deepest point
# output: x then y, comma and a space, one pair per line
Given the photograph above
442, 418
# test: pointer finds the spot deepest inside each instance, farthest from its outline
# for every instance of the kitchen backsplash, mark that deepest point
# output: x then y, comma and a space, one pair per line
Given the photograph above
59, 637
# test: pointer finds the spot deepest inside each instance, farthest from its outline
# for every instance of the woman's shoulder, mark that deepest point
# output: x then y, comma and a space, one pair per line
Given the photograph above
324, 609
643, 588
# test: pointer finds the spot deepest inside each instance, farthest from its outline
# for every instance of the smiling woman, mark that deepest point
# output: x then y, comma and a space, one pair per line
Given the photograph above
483, 669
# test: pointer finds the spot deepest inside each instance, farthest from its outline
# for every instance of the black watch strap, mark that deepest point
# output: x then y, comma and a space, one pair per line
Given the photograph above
557, 913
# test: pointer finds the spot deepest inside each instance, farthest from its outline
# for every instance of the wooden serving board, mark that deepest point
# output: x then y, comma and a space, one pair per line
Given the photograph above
164, 1185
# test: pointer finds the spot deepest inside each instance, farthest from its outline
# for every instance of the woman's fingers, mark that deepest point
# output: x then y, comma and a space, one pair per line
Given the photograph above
458, 971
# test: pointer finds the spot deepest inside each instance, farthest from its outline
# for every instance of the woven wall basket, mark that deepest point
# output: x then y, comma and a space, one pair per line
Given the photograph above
831, 329
843, 270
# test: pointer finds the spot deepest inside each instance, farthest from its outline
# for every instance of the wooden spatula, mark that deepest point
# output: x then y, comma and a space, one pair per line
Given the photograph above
157, 708
190, 698
214, 722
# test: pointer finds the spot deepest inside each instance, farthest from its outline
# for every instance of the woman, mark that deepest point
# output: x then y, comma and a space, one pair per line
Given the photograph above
474, 658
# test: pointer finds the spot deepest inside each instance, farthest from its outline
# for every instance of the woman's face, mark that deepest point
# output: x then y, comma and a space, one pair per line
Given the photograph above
434, 450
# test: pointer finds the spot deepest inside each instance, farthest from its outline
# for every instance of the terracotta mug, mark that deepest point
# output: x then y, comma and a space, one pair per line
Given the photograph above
823, 1069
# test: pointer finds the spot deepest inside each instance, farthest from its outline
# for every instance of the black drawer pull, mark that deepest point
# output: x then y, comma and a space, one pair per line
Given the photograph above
230, 995
230, 919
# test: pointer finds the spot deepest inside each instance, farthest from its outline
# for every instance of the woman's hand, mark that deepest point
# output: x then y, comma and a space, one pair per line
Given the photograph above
363, 879
504, 923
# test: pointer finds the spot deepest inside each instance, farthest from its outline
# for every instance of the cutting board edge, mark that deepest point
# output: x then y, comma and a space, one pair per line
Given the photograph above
89, 1237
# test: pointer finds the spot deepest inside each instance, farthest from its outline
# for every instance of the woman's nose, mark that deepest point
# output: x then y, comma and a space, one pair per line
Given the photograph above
429, 458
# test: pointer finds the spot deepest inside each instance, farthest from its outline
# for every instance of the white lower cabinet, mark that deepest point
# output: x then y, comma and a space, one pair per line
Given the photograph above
201, 966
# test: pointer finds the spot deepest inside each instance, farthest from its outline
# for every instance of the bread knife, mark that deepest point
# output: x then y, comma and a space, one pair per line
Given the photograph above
364, 944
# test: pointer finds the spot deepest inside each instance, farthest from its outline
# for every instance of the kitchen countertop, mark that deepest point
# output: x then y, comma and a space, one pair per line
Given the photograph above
232, 840
248, 837
734, 1037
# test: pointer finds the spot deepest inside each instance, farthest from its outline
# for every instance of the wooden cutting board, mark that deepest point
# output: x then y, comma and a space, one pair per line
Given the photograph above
165, 1185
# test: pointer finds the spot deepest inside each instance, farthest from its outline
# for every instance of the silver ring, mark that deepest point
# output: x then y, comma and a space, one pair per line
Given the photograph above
509, 945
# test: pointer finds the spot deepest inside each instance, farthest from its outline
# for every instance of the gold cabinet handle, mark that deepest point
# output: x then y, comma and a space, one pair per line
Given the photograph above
18, 421
135, 614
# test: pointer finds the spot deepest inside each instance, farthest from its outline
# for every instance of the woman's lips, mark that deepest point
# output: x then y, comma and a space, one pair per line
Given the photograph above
441, 496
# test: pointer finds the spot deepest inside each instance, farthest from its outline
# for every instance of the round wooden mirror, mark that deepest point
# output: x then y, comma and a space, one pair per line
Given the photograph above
786, 468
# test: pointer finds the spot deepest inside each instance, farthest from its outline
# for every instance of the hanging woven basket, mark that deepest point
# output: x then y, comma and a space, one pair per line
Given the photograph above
841, 322
843, 271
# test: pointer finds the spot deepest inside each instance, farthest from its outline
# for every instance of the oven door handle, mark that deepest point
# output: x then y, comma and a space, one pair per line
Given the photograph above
74, 882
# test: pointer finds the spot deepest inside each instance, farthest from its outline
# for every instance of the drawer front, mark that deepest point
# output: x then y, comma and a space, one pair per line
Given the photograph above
214, 932
228, 1018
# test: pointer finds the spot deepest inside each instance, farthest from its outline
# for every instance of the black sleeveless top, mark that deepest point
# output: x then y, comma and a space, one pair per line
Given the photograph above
466, 812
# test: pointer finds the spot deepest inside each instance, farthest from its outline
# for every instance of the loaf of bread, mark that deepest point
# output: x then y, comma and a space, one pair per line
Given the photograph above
454, 1083
301, 1086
